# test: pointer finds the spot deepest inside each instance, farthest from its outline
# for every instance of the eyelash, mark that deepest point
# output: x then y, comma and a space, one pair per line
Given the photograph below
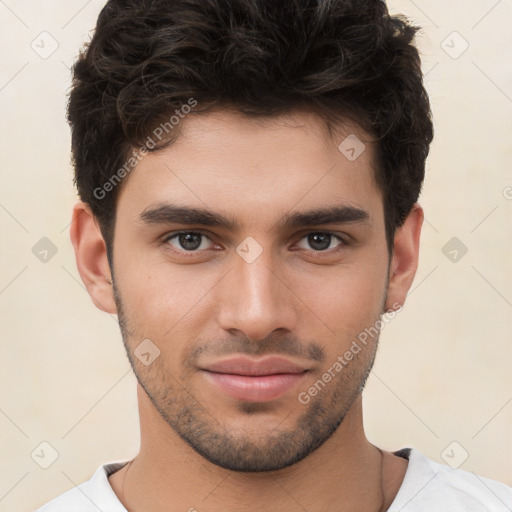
341, 239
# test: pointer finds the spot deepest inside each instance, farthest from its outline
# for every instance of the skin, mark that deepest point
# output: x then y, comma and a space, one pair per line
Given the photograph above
201, 449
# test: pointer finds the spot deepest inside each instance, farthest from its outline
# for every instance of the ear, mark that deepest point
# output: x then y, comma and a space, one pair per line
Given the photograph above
404, 261
91, 257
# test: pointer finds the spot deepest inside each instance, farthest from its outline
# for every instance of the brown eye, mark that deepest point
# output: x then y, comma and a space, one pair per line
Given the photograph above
187, 241
322, 241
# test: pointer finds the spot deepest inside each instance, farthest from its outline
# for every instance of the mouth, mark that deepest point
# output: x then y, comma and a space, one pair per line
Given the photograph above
254, 380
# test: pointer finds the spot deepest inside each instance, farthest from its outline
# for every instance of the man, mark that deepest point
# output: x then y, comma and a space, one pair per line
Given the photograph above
249, 174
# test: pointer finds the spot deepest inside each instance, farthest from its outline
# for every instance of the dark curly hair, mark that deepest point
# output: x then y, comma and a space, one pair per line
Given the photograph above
342, 59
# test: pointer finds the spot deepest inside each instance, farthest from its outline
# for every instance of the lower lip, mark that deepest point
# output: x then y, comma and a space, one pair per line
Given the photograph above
255, 388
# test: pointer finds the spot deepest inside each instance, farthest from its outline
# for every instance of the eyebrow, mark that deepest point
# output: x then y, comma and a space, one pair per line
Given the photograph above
166, 213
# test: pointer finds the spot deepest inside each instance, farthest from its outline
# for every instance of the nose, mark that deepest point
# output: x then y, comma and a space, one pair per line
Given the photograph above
255, 298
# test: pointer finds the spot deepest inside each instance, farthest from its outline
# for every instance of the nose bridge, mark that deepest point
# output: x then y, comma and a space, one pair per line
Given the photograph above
254, 300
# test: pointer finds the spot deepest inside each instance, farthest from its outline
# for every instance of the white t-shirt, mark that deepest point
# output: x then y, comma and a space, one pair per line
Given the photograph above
427, 487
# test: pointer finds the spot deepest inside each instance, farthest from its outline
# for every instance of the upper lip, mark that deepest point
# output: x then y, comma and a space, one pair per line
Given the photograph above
246, 366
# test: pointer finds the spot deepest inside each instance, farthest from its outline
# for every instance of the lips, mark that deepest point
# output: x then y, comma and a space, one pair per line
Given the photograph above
251, 367
254, 380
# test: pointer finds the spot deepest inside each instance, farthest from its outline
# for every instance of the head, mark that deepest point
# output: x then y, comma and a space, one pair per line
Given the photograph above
249, 174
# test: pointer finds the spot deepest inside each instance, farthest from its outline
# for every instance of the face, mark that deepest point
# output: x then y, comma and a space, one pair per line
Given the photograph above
248, 300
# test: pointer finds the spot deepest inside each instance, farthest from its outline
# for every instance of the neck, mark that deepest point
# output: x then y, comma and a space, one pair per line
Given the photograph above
346, 473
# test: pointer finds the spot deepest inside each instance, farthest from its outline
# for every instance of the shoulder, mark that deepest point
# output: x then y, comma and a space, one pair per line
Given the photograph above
428, 486
93, 495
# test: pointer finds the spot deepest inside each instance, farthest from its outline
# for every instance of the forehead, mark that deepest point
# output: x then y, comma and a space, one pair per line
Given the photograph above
224, 160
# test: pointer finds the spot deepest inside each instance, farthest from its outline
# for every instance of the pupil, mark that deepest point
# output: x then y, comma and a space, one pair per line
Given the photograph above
313, 239
187, 240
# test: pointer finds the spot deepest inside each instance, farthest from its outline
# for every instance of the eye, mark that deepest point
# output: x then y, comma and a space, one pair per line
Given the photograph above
321, 241
193, 242
187, 241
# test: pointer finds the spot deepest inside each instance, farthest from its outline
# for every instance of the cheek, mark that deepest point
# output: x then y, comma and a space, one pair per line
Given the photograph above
344, 301
161, 299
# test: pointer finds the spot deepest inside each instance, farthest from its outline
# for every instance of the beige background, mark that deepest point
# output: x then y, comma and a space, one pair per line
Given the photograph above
443, 371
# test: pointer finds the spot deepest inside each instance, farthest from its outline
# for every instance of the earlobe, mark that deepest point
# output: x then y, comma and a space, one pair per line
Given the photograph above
91, 257
405, 256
